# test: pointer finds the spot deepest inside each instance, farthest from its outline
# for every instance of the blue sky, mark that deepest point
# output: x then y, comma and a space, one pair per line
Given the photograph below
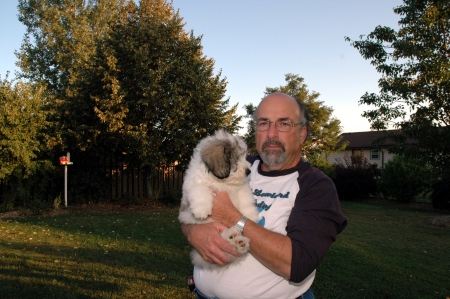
256, 42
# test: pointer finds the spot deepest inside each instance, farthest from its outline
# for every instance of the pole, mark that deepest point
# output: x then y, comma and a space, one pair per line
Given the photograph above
65, 186
65, 179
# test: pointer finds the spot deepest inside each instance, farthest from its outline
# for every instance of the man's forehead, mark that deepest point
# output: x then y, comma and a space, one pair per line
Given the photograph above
280, 118
277, 112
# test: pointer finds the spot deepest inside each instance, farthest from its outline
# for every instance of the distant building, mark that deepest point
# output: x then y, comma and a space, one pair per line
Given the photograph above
362, 143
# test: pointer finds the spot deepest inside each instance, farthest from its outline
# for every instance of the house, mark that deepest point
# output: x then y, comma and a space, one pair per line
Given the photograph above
362, 143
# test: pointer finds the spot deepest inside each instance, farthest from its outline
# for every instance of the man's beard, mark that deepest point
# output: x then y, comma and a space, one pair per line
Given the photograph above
273, 157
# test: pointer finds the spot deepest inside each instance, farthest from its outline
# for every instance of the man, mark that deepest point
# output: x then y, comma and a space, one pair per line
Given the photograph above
300, 215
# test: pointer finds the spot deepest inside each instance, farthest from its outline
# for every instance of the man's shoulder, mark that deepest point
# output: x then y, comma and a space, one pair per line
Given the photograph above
307, 171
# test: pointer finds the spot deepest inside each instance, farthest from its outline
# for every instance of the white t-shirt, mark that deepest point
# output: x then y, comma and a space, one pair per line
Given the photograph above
249, 279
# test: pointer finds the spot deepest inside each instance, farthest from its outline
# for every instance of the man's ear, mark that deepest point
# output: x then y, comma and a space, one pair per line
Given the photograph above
303, 134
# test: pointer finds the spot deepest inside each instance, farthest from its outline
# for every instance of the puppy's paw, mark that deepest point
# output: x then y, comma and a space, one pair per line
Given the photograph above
201, 212
242, 244
236, 239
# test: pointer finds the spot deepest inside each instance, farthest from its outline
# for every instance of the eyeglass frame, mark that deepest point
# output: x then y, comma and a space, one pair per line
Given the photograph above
276, 124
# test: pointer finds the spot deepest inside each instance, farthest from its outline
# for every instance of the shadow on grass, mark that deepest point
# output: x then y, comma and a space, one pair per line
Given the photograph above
152, 255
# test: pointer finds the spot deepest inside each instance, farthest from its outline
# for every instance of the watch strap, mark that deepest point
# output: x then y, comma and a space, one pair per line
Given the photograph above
241, 223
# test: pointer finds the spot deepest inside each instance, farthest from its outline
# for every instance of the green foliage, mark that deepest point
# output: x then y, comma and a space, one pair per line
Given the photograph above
414, 63
21, 121
249, 136
440, 195
404, 178
24, 168
322, 164
57, 202
121, 80
159, 108
355, 178
324, 130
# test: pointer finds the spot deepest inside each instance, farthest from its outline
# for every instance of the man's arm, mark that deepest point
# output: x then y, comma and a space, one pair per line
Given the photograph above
272, 249
206, 239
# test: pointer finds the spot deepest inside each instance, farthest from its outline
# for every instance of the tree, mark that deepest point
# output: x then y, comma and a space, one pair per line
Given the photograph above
324, 130
57, 52
404, 178
415, 85
124, 78
22, 122
161, 90
249, 136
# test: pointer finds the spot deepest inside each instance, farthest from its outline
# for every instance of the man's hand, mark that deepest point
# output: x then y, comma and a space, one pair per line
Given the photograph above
207, 241
272, 249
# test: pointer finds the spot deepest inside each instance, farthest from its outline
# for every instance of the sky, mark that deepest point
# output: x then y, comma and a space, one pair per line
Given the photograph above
254, 43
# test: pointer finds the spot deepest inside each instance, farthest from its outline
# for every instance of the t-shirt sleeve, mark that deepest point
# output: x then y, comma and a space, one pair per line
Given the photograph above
314, 223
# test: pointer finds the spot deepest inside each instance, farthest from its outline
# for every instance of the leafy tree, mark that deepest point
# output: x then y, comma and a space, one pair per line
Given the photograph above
249, 136
404, 178
123, 79
57, 51
415, 85
22, 122
168, 100
324, 130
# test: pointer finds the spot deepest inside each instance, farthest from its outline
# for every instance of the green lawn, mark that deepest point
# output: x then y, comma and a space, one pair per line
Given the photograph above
384, 253
97, 255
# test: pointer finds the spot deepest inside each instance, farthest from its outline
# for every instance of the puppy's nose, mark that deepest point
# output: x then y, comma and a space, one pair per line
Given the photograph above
247, 172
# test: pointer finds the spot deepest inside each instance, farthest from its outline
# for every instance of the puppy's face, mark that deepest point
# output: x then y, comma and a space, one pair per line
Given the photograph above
225, 158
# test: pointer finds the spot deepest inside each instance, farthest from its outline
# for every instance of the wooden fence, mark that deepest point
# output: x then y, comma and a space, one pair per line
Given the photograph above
132, 182
123, 181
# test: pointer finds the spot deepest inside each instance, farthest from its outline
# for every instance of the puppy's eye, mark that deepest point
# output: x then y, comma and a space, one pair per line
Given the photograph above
248, 171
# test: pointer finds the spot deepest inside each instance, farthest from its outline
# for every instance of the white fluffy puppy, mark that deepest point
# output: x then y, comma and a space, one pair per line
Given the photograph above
218, 163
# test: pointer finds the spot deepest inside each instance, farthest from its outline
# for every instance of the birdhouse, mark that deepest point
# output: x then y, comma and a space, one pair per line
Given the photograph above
63, 160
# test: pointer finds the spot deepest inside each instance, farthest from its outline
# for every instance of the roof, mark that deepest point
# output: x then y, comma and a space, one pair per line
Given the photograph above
361, 140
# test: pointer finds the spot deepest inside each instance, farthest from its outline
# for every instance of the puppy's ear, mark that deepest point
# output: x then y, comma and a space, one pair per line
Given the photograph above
217, 157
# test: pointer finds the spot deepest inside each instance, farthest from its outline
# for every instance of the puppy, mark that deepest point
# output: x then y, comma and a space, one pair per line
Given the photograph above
218, 163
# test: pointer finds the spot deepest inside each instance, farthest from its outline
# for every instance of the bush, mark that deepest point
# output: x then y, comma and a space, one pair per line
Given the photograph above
404, 178
323, 165
22, 188
355, 178
440, 195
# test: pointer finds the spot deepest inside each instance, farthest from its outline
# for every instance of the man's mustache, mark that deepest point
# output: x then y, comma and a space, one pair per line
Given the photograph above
272, 142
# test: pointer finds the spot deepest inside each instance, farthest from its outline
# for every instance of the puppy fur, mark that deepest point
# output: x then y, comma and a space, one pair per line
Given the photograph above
218, 163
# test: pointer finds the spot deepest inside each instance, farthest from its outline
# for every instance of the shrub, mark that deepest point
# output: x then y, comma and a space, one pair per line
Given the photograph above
440, 195
355, 178
404, 178
323, 165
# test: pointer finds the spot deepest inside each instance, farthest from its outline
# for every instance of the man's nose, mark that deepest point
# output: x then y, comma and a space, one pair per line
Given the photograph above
272, 131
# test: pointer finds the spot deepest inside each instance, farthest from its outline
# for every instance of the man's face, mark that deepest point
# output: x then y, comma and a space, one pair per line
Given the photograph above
279, 150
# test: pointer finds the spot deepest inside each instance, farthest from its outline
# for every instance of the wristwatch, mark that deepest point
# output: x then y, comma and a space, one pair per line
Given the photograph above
241, 223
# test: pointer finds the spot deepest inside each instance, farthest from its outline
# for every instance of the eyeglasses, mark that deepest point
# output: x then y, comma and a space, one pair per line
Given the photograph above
285, 125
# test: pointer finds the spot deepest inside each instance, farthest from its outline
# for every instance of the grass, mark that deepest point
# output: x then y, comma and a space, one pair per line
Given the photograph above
385, 252
96, 255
